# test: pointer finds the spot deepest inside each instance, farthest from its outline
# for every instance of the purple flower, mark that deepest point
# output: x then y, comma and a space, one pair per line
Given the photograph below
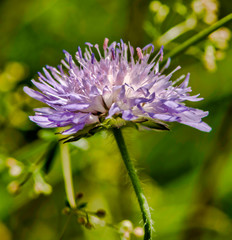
114, 85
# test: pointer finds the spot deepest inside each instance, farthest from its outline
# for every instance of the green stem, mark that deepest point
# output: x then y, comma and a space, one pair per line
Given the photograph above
198, 37
67, 173
136, 184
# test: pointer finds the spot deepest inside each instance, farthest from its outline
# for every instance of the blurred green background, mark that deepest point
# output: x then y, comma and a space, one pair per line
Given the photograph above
186, 174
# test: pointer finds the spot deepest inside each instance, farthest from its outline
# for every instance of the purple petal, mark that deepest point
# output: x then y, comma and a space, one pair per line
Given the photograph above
76, 106
114, 109
200, 126
128, 115
74, 129
34, 94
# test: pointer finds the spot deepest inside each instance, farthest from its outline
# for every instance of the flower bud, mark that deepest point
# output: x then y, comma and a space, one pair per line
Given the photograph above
66, 211
79, 196
81, 220
126, 235
10, 162
15, 170
13, 187
42, 187
138, 232
88, 225
126, 226
101, 213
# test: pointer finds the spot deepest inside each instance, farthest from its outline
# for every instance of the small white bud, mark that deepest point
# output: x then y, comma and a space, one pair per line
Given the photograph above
138, 232
13, 187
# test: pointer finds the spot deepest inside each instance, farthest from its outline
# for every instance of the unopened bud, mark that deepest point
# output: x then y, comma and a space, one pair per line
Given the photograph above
10, 162
15, 167
81, 220
101, 213
15, 170
126, 225
138, 232
126, 235
42, 187
14, 187
66, 211
88, 225
79, 196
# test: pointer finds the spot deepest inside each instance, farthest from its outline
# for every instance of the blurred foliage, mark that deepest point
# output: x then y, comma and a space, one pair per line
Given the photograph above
186, 173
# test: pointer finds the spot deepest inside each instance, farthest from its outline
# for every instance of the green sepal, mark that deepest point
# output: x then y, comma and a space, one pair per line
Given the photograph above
116, 122
66, 203
82, 205
87, 131
149, 123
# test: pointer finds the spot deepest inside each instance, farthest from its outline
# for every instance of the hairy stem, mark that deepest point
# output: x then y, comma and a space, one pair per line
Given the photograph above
136, 184
198, 37
67, 173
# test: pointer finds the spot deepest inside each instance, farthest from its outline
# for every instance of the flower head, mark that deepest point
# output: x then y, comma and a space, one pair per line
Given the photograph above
115, 85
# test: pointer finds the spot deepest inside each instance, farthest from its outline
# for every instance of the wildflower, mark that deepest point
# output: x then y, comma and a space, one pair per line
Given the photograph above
117, 89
